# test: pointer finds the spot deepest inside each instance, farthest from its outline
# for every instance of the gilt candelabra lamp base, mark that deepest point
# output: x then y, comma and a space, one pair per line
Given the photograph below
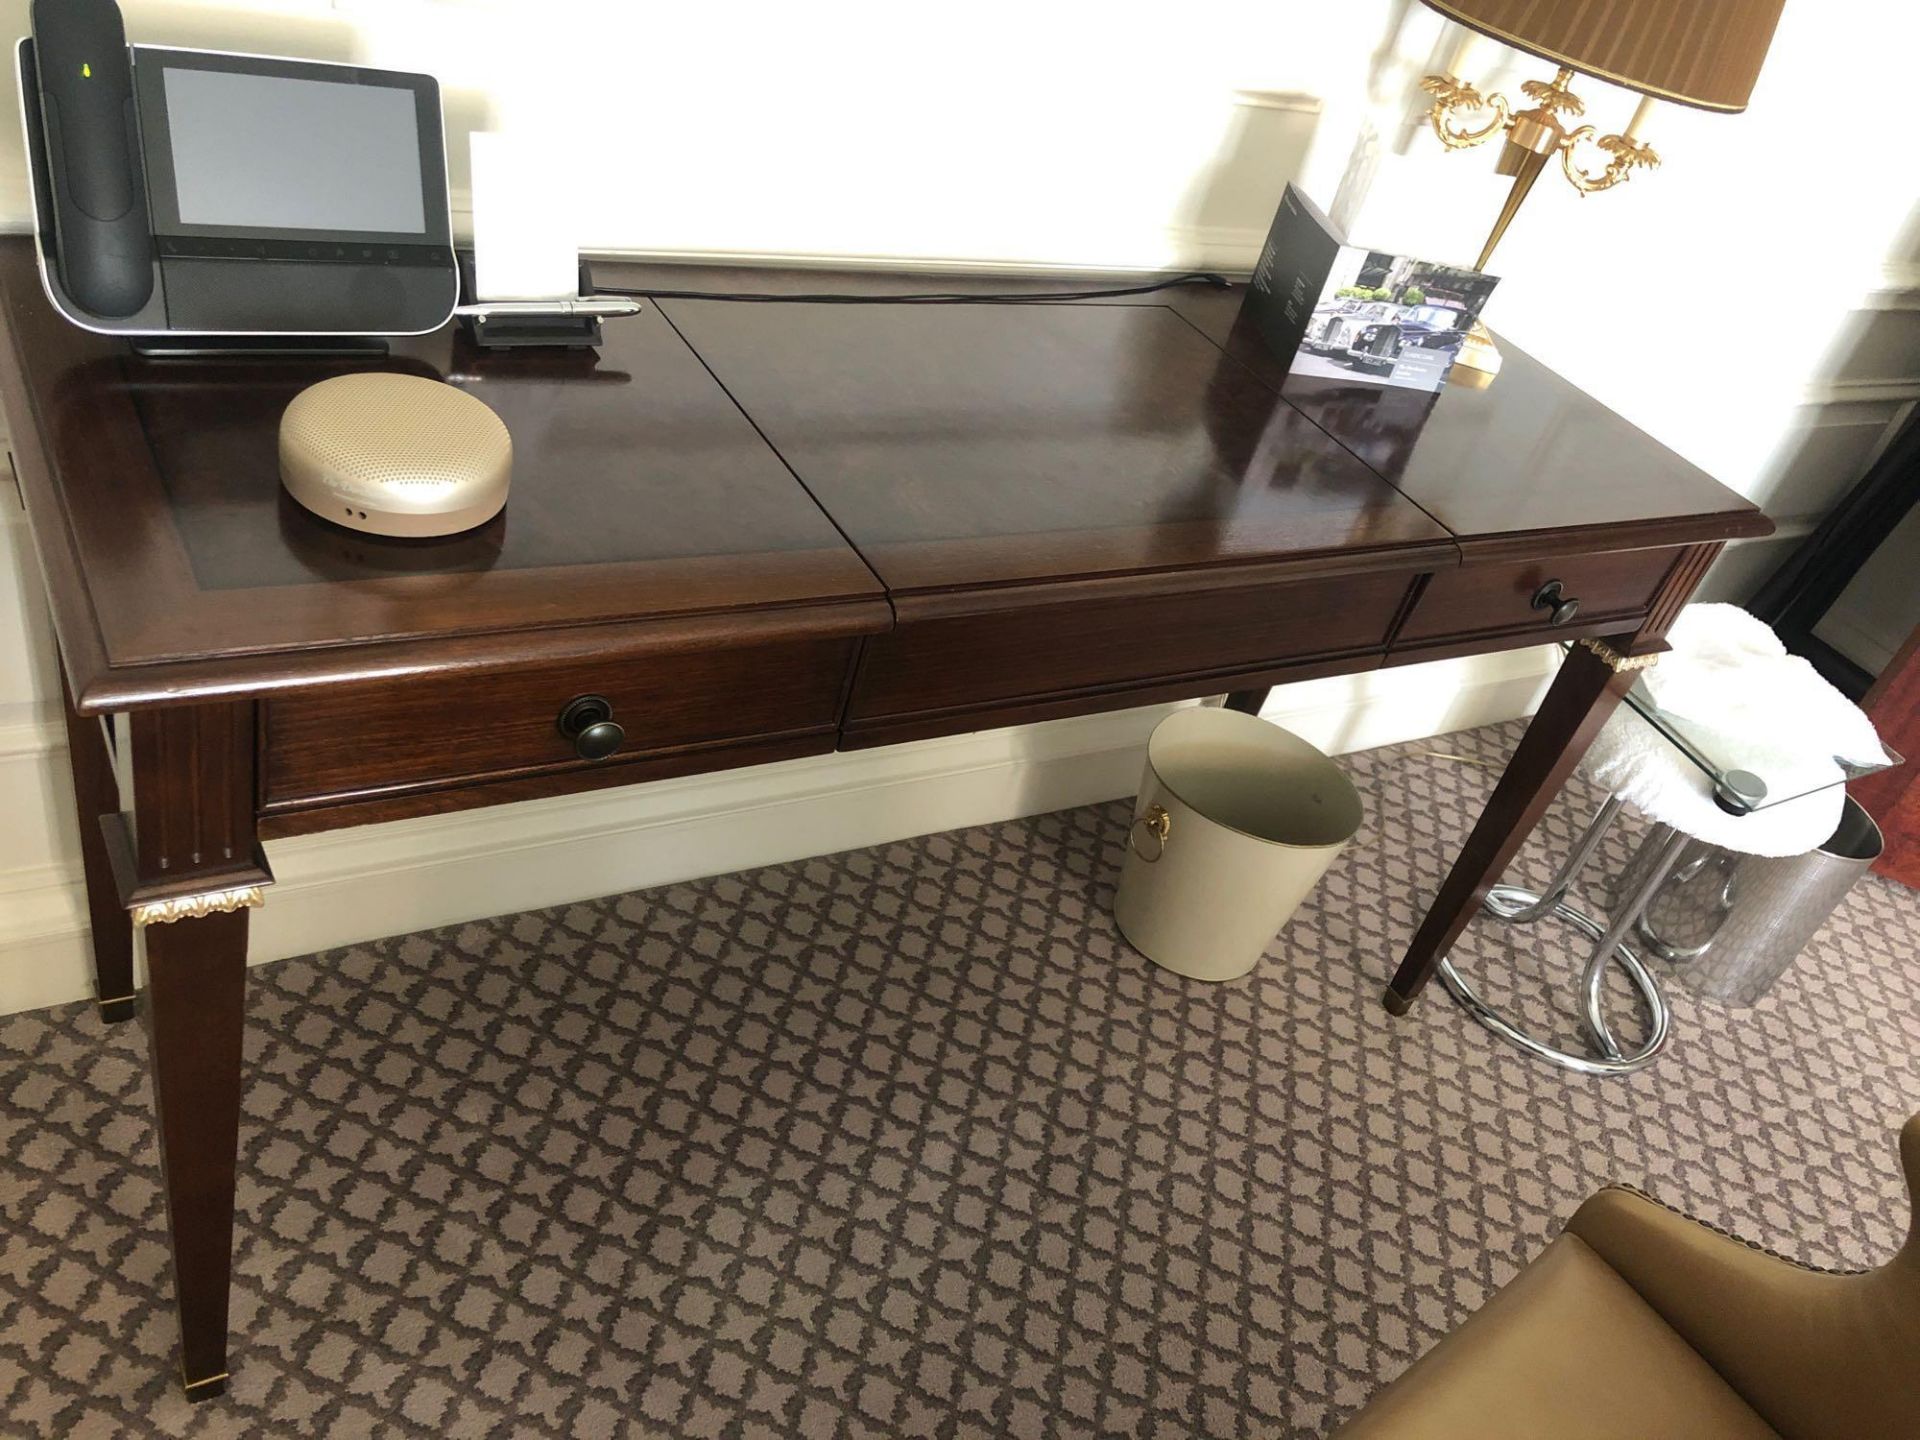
1464, 117
1477, 360
1702, 53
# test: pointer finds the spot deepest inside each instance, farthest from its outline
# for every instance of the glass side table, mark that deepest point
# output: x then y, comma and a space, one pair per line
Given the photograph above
1745, 778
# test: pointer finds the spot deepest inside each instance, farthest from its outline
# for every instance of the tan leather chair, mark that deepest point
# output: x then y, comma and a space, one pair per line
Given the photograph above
1641, 1324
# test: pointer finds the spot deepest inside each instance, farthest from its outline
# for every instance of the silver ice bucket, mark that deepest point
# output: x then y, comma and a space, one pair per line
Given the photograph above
1730, 924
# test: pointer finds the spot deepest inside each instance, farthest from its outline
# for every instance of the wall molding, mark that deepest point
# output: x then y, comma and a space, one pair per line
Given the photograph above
30, 731
1229, 248
1898, 288
1894, 390
1793, 527
1298, 102
1232, 248
1855, 637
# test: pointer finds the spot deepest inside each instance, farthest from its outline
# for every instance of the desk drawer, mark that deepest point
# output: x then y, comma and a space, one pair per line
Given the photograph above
437, 731
1045, 648
1498, 599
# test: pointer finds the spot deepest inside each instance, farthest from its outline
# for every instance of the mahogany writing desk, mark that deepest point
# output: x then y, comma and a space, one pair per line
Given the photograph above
763, 531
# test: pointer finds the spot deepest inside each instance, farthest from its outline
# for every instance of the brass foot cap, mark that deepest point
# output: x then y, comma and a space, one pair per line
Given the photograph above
208, 1389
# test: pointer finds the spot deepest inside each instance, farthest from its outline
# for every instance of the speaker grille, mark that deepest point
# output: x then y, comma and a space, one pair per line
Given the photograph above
399, 442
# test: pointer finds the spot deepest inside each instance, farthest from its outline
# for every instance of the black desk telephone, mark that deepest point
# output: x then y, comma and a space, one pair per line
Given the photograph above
189, 192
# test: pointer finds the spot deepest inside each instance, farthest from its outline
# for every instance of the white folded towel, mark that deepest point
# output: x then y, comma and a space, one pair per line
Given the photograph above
1748, 705
1728, 671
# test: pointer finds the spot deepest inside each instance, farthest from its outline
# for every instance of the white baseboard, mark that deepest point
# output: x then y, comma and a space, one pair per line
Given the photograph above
28, 729
44, 959
1410, 702
348, 886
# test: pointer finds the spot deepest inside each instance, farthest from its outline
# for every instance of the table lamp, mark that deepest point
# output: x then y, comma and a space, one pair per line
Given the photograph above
1696, 52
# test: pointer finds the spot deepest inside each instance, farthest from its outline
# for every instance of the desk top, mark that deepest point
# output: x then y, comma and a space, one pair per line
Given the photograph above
978, 445
724, 473
1527, 464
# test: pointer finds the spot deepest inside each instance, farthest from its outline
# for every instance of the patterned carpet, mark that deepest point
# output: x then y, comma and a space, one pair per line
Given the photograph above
905, 1142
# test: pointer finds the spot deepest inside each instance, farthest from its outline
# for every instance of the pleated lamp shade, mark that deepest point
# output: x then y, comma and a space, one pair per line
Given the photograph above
1698, 52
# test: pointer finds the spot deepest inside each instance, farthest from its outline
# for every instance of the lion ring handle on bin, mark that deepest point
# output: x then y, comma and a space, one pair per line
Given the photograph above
1157, 823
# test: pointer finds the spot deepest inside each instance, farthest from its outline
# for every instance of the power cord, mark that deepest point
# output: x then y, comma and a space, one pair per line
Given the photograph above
1192, 277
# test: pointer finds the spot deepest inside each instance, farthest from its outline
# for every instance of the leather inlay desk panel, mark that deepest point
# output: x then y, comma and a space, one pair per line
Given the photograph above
1529, 465
639, 490
761, 531
985, 445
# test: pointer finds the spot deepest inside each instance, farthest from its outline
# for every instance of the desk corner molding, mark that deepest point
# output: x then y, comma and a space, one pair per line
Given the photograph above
193, 907
1614, 660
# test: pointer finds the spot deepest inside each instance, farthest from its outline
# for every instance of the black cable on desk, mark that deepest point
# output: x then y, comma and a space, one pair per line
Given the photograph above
1192, 277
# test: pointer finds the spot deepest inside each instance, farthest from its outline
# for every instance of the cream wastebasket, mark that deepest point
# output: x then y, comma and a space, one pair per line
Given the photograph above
1235, 822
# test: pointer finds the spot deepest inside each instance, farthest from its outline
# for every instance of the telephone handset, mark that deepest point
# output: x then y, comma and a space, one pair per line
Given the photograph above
91, 125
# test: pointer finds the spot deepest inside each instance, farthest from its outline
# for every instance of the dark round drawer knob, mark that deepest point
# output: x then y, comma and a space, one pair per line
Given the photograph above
1560, 607
587, 720
598, 741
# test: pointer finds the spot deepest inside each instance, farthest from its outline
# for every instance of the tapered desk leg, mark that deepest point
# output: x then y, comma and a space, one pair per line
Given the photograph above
1595, 675
1248, 702
196, 993
190, 868
1582, 697
96, 793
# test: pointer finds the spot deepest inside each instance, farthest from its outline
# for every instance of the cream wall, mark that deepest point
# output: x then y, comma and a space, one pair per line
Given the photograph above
1756, 305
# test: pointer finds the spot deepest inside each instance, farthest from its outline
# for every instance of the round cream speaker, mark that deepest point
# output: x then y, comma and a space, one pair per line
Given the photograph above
395, 455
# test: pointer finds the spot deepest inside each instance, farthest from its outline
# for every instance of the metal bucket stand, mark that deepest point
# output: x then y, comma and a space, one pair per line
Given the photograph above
1513, 905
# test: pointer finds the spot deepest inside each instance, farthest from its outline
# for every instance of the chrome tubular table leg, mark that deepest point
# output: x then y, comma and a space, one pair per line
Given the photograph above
1521, 907
1512, 904
1593, 982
